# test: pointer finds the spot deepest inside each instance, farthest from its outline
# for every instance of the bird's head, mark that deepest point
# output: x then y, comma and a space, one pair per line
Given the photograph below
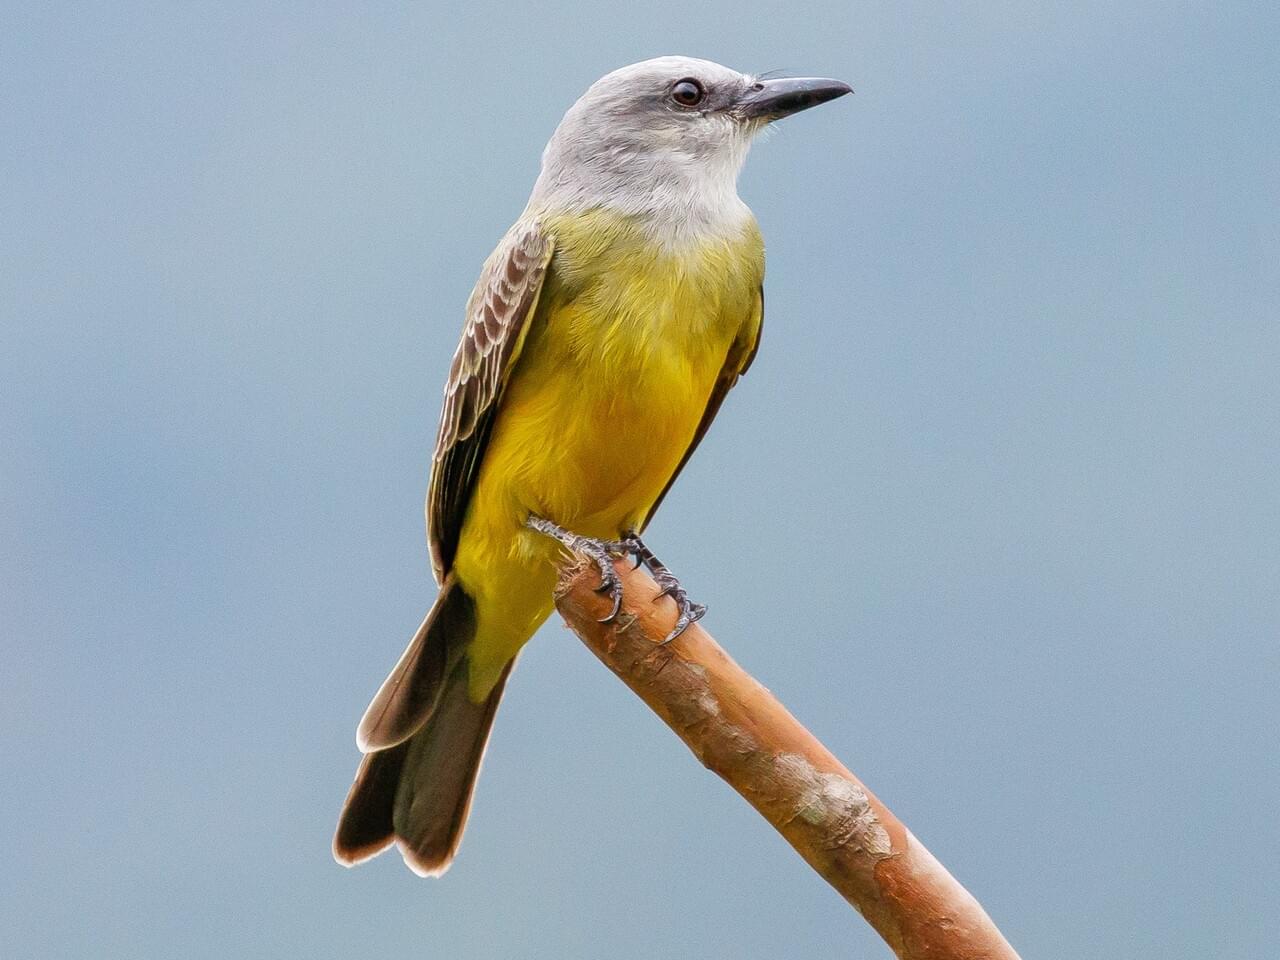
663, 127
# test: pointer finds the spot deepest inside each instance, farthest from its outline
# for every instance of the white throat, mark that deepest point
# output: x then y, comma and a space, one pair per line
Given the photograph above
680, 199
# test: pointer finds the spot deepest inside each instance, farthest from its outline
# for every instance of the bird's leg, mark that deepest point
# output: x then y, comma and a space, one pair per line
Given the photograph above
601, 552
690, 612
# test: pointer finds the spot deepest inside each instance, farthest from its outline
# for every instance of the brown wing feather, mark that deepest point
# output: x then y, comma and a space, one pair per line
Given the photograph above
737, 363
498, 313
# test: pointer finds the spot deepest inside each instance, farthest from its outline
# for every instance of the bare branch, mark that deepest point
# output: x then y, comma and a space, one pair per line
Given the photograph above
740, 731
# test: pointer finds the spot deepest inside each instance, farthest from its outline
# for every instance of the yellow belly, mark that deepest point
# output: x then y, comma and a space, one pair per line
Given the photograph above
603, 404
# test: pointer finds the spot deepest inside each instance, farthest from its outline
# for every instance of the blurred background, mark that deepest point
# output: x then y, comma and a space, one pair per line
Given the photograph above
995, 513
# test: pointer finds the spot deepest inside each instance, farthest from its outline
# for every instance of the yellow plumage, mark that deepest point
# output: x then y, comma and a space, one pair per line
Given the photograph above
602, 336
616, 370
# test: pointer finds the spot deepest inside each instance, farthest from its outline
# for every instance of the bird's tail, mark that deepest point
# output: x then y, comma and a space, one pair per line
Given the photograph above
424, 739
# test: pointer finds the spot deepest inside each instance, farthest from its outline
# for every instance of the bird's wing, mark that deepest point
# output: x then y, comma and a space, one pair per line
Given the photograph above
498, 315
738, 361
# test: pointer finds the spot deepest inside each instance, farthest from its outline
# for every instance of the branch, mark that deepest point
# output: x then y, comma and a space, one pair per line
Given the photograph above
740, 731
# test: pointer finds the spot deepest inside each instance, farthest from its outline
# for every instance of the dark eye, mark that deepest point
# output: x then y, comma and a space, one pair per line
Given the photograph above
688, 93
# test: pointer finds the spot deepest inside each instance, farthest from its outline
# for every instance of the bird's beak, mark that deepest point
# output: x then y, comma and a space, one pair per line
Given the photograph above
775, 99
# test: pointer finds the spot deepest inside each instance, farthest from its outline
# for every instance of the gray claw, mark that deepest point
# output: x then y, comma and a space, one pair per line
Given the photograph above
611, 584
690, 612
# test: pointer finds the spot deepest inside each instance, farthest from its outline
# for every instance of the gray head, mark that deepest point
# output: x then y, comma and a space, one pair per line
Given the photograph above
666, 136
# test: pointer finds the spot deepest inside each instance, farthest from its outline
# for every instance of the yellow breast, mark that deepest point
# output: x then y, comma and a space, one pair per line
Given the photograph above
609, 389
615, 376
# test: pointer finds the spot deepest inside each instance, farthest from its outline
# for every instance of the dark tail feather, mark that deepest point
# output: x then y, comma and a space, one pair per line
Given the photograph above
439, 775
409, 694
419, 792
365, 828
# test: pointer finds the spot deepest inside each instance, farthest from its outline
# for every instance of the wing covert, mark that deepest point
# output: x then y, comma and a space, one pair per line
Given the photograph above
499, 310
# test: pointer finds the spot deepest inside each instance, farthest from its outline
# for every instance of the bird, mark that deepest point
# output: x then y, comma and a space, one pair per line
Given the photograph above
601, 339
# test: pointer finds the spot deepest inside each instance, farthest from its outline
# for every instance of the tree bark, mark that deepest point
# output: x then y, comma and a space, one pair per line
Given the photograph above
741, 732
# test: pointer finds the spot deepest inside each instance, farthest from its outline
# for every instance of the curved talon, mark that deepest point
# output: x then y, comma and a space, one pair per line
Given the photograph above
612, 614
616, 592
690, 612
610, 584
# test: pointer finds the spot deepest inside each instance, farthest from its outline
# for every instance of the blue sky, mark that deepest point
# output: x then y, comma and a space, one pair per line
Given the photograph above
995, 512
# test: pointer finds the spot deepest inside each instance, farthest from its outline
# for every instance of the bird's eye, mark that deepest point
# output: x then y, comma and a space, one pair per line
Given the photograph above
688, 93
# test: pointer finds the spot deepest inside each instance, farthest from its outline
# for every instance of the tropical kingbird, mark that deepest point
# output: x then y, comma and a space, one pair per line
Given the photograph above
600, 341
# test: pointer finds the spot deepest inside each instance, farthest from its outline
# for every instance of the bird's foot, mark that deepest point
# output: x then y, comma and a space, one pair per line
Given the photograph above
690, 612
601, 552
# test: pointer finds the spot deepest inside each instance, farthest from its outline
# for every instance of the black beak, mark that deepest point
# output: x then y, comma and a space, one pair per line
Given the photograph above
775, 99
